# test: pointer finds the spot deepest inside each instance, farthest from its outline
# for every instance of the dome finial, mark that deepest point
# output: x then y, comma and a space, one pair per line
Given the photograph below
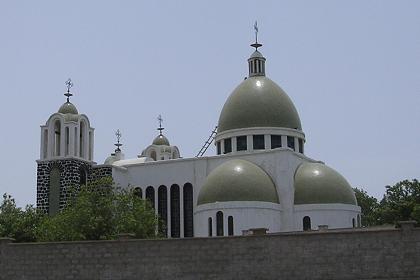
160, 119
69, 85
256, 45
118, 144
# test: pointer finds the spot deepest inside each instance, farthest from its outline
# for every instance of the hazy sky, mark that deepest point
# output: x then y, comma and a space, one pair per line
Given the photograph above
352, 69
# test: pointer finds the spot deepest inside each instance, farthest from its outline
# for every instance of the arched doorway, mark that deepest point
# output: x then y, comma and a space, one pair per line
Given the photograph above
54, 191
163, 207
175, 211
306, 223
150, 195
188, 210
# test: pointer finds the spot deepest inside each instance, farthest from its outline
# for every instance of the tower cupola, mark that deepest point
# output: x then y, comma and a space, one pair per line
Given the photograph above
160, 148
67, 133
256, 63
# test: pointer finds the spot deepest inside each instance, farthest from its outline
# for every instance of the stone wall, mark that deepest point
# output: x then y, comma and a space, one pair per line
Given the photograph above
70, 176
333, 254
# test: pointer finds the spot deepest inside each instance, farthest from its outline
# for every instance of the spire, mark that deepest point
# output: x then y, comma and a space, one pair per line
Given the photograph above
256, 45
69, 85
160, 119
118, 144
256, 62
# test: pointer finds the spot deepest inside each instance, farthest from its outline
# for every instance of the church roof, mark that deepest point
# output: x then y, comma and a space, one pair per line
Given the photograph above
316, 183
161, 140
68, 108
237, 180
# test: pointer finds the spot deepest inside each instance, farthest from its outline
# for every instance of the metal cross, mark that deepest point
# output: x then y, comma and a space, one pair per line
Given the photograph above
119, 135
256, 31
69, 85
160, 119
256, 45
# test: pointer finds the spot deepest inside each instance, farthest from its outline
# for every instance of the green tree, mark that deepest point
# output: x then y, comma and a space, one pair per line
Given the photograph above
401, 202
17, 223
369, 207
100, 211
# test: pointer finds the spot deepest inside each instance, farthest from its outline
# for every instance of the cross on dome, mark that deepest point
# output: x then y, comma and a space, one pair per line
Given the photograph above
69, 84
160, 119
256, 45
118, 144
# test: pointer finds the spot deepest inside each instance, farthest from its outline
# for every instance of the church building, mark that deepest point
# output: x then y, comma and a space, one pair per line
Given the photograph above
260, 177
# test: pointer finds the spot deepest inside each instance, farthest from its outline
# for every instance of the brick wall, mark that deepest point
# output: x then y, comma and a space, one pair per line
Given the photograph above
333, 254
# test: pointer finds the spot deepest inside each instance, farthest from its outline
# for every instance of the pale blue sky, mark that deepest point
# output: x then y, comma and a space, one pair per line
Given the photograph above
352, 69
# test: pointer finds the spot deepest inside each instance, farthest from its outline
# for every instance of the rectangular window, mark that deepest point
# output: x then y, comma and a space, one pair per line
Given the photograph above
241, 143
300, 145
291, 142
219, 150
228, 145
275, 141
258, 142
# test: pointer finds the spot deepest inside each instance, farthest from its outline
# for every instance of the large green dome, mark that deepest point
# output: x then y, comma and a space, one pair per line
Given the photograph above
237, 180
316, 183
258, 102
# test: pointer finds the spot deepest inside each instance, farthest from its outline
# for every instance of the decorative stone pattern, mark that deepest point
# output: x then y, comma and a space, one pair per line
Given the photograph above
345, 254
100, 171
70, 177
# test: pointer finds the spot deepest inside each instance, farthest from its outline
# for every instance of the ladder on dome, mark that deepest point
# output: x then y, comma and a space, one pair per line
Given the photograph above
207, 143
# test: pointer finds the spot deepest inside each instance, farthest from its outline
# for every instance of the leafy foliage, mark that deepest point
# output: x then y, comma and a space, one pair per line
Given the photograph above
100, 211
369, 206
401, 202
17, 223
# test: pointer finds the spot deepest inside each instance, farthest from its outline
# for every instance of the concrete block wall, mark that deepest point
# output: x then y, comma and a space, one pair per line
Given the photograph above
330, 254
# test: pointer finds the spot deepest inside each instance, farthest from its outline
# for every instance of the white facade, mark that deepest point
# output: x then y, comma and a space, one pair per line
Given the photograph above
67, 135
280, 164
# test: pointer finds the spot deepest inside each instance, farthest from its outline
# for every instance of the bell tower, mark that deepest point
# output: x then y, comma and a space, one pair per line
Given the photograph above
66, 155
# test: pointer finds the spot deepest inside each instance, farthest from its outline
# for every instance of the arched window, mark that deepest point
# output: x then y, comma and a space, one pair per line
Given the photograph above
175, 212
67, 139
138, 192
54, 191
83, 176
359, 223
75, 142
163, 206
150, 195
210, 227
353, 222
230, 225
90, 145
45, 143
219, 223
306, 223
153, 155
188, 210
57, 138
82, 139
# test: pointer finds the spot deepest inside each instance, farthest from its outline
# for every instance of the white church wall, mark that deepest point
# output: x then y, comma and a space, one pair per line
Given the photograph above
245, 214
280, 164
332, 215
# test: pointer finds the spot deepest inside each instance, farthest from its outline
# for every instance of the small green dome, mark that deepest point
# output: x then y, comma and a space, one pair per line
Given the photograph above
161, 140
237, 180
316, 183
258, 102
68, 108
